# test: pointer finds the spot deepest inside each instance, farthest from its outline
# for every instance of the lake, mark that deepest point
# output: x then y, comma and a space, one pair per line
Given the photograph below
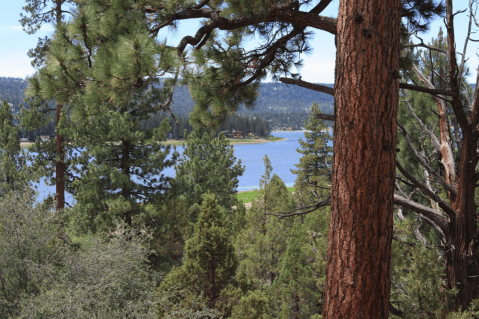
282, 154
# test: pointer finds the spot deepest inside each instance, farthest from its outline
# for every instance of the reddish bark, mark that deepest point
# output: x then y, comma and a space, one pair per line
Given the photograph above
367, 87
462, 259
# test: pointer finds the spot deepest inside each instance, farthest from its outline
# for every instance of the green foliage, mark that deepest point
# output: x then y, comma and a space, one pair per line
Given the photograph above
296, 282
314, 169
12, 161
207, 164
169, 224
278, 104
120, 170
209, 264
252, 305
45, 275
417, 288
285, 259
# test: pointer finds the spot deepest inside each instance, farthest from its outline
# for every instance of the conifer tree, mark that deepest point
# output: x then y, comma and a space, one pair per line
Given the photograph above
314, 169
209, 265
12, 161
207, 164
39, 13
120, 169
296, 284
264, 237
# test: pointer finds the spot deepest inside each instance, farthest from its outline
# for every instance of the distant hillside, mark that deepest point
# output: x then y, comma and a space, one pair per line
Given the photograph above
13, 89
273, 98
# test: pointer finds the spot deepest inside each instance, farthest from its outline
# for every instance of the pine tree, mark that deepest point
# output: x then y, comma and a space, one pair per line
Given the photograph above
296, 285
264, 238
209, 265
12, 159
120, 171
264, 189
109, 82
207, 164
314, 169
39, 13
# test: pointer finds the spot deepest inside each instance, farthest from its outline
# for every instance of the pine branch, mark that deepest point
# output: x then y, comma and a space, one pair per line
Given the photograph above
425, 190
426, 90
433, 217
309, 85
304, 209
434, 140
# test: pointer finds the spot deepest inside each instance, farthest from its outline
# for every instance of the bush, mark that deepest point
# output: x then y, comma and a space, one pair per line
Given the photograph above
46, 274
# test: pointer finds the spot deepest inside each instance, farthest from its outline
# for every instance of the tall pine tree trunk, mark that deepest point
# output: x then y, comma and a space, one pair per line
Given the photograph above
60, 164
125, 168
462, 258
366, 95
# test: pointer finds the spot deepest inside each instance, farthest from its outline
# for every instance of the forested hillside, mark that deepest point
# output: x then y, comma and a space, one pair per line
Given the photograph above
12, 89
281, 106
272, 98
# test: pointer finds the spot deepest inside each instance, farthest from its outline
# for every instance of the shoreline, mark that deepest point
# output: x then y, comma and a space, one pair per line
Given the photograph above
181, 142
234, 141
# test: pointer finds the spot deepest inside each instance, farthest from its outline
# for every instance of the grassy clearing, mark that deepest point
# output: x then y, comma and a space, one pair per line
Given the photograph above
249, 196
274, 139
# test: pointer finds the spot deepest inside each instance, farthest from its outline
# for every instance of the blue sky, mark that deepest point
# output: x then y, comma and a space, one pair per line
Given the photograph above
318, 67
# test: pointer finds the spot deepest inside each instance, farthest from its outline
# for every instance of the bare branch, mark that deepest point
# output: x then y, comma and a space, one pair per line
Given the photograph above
309, 85
417, 234
432, 68
304, 209
453, 70
434, 140
434, 218
396, 311
284, 13
426, 90
424, 46
423, 162
326, 117
445, 207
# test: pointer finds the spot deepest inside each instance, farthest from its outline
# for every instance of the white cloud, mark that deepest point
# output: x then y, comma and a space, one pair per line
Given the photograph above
44, 28
15, 28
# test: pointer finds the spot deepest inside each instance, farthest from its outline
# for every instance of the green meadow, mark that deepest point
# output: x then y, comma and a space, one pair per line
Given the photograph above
248, 196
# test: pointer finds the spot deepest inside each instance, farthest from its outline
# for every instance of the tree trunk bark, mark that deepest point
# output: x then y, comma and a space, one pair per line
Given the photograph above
462, 258
60, 165
367, 88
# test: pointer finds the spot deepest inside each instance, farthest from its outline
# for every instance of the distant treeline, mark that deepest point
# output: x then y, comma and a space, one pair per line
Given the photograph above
272, 98
47, 130
244, 124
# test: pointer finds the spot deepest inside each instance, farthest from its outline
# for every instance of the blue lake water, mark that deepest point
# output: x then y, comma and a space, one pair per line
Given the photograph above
282, 154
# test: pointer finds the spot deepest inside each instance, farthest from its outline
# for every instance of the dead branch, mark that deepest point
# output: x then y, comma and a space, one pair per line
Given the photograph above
423, 162
309, 85
304, 209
